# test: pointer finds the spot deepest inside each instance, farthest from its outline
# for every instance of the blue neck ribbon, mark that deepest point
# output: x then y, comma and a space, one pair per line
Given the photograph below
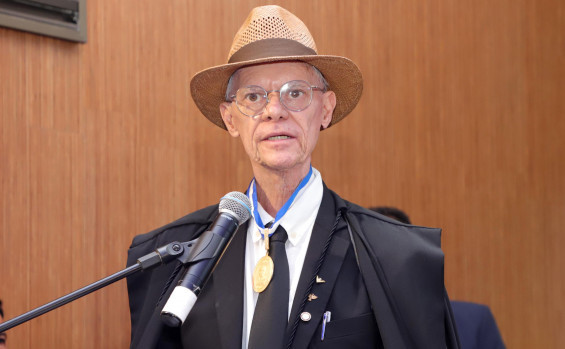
283, 209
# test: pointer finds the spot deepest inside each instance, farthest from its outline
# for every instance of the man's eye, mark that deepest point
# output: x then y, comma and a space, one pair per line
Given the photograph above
252, 97
295, 93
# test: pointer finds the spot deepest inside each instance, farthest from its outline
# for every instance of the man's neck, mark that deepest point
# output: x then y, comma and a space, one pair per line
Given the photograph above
274, 188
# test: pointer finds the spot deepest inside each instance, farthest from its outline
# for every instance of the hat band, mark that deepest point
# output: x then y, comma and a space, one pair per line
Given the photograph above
275, 47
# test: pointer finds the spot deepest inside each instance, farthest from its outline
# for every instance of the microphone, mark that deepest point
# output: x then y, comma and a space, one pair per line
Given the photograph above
235, 209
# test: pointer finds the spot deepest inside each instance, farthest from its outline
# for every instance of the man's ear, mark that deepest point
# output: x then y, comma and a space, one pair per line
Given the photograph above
329, 101
225, 110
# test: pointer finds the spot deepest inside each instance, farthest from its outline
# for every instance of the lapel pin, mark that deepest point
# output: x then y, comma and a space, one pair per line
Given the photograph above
311, 297
319, 280
305, 316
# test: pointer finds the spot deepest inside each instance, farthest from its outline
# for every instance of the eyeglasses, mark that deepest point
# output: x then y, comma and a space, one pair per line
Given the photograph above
295, 95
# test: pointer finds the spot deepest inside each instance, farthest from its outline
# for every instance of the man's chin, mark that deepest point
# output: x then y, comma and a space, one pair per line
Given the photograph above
283, 164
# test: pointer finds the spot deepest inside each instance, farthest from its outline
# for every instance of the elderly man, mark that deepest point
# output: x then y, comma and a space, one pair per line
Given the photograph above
309, 270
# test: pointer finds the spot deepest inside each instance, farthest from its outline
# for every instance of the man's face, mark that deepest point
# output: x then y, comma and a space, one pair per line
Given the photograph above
278, 138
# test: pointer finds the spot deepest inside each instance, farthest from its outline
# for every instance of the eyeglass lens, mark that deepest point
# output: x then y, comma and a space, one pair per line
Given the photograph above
294, 95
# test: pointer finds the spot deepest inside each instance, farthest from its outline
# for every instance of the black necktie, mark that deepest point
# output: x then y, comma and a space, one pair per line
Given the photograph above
271, 312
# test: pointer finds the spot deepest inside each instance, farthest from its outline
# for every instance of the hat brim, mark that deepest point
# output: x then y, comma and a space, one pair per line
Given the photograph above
208, 87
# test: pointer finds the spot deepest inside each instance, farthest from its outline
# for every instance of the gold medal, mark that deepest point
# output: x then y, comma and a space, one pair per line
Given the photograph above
264, 269
263, 273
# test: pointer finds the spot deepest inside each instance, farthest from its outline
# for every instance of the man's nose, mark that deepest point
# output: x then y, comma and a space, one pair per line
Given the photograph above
274, 109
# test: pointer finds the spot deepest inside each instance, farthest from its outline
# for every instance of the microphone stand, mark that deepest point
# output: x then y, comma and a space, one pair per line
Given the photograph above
163, 255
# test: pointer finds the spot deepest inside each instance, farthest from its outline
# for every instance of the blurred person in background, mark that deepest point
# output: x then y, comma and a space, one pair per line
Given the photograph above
475, 323
3, 334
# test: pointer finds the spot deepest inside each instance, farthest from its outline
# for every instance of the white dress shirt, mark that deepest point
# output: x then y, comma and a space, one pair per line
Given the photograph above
298, 223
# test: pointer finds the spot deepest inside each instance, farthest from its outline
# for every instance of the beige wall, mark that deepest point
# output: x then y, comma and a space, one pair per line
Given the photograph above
461, 124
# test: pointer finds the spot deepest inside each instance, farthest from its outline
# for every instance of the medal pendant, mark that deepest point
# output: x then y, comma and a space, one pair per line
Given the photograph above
263, 273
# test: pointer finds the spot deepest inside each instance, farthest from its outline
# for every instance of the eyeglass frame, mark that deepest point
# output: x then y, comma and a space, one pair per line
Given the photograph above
267, 93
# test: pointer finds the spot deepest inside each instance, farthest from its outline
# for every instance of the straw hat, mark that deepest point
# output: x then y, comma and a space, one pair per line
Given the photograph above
273, 34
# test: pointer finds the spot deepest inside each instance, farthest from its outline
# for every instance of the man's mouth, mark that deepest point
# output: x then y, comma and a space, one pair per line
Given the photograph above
276, 138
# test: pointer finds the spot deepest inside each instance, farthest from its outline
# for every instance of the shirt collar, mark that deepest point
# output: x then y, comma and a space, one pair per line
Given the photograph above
300, 215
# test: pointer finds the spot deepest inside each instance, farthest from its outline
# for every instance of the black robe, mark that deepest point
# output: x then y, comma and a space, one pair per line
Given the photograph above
384, 290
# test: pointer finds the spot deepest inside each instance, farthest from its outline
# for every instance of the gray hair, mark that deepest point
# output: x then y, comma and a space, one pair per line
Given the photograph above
318, 73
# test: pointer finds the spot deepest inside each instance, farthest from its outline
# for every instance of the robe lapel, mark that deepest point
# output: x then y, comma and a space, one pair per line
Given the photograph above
328, 272
228, 289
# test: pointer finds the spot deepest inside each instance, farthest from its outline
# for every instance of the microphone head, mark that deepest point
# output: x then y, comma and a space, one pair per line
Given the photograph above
237, 204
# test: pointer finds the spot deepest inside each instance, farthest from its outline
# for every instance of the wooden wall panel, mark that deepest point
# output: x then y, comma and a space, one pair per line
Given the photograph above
461, 124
